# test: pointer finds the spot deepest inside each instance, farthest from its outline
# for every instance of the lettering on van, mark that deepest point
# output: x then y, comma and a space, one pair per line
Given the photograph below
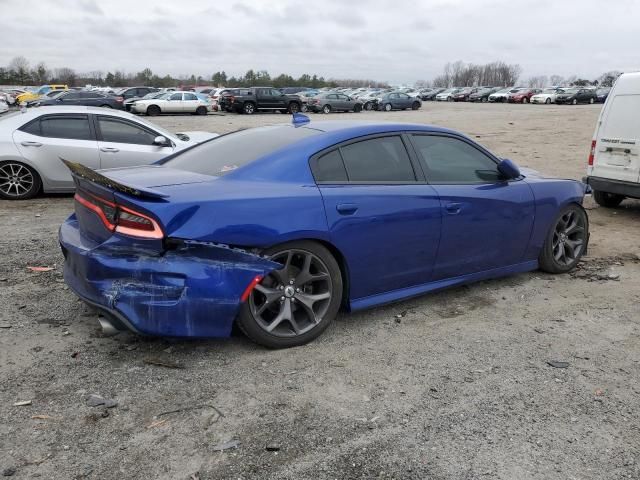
617, 140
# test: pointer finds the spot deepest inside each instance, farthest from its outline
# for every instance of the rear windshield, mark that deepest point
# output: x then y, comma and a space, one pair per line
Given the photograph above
227, 153
620, 121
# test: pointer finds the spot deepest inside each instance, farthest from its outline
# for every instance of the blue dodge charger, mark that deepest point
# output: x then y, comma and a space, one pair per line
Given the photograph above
276, 228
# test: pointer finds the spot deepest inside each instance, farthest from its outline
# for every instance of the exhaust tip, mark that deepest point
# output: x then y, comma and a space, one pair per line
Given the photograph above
108, 329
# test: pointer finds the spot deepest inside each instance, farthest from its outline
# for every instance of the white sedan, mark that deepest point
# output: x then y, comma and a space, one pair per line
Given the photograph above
173, 102
548, 95
32, 143
4, 106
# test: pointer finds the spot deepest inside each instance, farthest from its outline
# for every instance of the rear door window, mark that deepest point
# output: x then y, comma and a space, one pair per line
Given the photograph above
74, 127
382, 159
621, 121
329, 168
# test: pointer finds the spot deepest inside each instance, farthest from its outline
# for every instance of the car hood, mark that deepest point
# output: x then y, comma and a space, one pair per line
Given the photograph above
199, 137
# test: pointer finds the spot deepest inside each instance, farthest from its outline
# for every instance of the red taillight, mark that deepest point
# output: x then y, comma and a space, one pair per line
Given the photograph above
121, 219
592, 153
245, 295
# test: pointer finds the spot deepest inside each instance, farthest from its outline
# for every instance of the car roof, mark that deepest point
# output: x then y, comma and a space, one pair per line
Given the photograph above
34, 112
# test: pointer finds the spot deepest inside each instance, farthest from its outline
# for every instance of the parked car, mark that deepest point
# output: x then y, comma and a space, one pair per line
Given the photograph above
251, 100
522, 95
333, 102
575, 95
32, 143
613, 170
398, 101
463, 94
130, 101
218, 245
547, 96
8, 95
447, 95
482, 94
172, 102
370, 100
502, 95
4, 107
602, 94
432, 94
90, 99
134, 92
34, 95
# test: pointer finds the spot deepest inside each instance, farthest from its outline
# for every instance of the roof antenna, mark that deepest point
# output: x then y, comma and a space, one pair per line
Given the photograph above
299, 119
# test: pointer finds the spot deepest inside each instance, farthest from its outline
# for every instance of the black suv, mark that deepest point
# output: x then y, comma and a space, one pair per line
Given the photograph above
250, 100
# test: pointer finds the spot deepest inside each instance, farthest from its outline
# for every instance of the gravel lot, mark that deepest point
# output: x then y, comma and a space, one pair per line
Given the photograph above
453, 385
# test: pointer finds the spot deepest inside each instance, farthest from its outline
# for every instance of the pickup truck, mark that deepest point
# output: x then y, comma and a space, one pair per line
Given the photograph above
251, 100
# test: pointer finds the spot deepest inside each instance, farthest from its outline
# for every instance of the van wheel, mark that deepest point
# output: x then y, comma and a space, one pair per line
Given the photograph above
566, 241
606, 199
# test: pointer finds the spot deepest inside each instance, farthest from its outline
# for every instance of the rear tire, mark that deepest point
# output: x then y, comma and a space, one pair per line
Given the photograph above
368, 106
357, 108
300, 318
388, 107
606, 199
525, 100
153, 110
574, 101
326, 109
18, 181
201, 111
415, 106
591, 101
547, 101
249, 108
566, 241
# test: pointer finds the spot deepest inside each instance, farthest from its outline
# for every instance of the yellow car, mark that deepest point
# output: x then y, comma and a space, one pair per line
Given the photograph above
30, 96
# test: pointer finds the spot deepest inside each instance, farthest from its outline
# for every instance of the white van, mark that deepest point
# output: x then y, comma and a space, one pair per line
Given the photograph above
614, 162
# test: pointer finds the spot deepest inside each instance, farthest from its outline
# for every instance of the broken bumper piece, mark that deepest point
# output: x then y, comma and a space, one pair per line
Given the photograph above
193, 290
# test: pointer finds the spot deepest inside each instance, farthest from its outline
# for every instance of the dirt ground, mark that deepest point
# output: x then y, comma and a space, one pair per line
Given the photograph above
453, 385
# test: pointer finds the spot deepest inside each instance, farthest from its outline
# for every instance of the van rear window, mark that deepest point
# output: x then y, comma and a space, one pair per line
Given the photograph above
623, 118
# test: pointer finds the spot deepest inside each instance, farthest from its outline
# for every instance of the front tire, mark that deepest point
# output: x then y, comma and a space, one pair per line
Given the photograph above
293, 108
566, 241
326, 109
388, 107
574, 101
357, 108
201, 111
415, 106
249, 108
548, 101
18, 181
293, 305
606, 199
153, 110
591, 101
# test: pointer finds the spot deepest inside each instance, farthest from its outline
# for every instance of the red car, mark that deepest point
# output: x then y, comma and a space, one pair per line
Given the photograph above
523, 95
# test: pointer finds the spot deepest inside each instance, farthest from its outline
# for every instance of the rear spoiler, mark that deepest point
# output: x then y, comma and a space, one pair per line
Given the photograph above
79, 171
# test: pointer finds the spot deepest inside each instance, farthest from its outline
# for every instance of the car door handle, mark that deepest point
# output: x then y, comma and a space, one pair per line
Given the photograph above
453, 208
346, 208
109, 149
30, 144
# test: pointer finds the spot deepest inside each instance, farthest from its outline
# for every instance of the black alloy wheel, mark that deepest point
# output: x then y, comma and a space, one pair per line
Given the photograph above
566, 242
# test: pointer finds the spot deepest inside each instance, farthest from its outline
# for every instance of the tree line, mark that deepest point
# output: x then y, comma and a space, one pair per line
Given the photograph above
456, 74
20, 72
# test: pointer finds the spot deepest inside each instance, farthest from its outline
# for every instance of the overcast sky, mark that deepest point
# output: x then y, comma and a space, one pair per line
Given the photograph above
400, 41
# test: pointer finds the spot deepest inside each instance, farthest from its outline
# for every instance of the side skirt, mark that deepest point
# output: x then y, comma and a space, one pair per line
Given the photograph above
404, 293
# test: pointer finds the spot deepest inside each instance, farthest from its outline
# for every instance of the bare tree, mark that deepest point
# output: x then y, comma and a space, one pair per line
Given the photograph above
19, 68
538, 81
556, 80
66, 75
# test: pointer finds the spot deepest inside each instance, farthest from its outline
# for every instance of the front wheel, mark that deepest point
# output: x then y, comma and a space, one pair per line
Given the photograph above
525, 100
606, 199
591, 101
357, 108
388, 107
18, 181
295, 304
368, 106
249, 108
153, 110
574, 101
547, 101
415, 106
326, 109
566, 241
201, 111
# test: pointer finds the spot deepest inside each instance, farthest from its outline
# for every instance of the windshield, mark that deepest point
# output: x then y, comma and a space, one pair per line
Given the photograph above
229, 152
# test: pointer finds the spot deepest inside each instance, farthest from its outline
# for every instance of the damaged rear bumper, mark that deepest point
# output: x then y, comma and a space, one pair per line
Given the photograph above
193, 290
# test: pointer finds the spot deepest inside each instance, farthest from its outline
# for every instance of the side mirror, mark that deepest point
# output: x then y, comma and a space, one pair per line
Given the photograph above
161, 141
508, 169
